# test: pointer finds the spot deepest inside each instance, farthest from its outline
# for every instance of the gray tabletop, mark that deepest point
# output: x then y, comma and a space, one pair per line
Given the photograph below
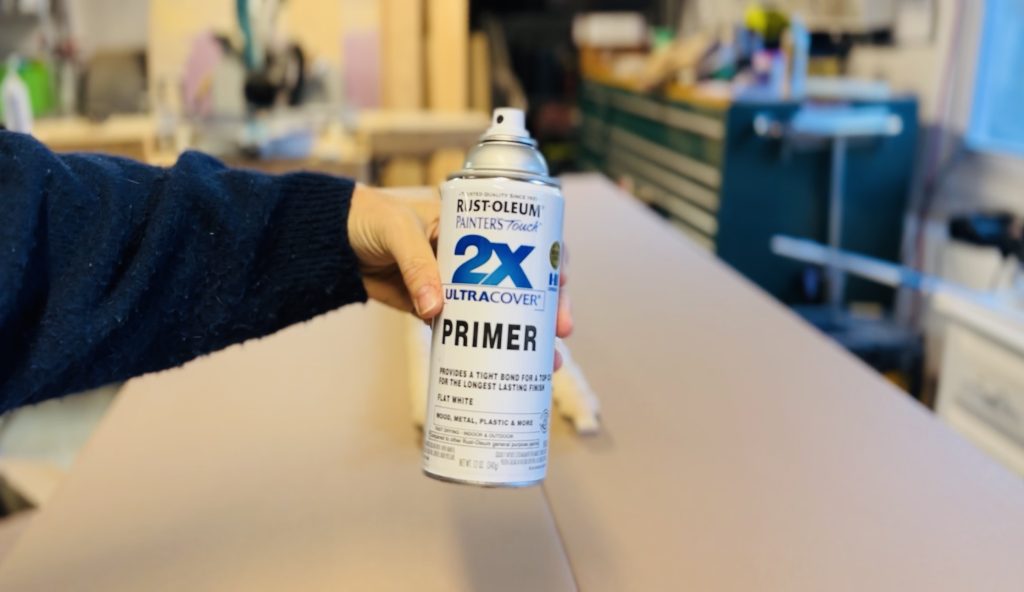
740, 451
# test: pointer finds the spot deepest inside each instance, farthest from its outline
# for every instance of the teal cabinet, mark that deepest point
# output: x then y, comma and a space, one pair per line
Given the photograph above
731, 190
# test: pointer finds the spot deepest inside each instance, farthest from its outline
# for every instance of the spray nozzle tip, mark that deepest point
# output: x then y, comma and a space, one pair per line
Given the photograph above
507, 121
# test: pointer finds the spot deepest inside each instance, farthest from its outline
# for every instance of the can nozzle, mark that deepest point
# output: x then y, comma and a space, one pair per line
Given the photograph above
507, 121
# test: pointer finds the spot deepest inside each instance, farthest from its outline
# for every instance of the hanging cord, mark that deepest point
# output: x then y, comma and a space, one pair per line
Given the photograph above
934, 172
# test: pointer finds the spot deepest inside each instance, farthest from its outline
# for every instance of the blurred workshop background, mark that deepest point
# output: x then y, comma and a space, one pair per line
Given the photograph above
859, 160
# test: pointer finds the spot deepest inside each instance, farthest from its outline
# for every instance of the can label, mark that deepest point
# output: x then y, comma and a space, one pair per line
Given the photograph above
489, 405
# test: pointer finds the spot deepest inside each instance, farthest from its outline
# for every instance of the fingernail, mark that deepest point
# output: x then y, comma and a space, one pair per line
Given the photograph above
426, 300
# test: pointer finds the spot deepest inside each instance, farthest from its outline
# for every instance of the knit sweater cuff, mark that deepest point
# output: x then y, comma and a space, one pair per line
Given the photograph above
312, 260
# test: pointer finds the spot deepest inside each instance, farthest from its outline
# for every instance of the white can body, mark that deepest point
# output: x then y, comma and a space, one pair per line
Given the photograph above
489, 403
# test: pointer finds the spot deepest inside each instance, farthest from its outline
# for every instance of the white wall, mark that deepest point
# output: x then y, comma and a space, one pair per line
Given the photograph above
942, 75
121, 24
166, 28
317, 24
920, 68
109, 24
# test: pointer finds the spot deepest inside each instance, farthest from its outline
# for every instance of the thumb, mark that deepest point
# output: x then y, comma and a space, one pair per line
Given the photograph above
411, 249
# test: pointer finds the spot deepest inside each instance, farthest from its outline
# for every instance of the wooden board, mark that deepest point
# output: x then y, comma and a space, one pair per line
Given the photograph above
132, 136
480, 73
448, 55
418, 133
401, 35
403, 171
442, 163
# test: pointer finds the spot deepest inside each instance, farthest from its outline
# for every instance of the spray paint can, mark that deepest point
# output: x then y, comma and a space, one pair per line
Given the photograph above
499, 252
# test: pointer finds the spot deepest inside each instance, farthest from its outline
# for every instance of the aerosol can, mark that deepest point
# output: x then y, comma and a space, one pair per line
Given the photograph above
499, 251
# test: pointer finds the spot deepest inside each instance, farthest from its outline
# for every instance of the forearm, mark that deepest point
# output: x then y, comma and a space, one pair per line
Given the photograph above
110, 268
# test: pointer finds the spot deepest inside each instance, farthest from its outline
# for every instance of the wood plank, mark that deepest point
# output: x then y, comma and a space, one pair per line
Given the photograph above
480, 73
442, 163
448, 55
402, 80
132, 136
403, 171
418, 133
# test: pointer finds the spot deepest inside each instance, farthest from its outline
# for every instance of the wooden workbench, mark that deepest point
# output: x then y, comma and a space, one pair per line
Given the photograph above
378, 135
740, 451
132, 136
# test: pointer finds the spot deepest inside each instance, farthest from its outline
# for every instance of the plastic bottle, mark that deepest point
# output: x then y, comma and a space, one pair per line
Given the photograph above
17, 106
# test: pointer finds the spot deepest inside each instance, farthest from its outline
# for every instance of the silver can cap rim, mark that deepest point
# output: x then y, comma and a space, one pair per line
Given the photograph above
505, 174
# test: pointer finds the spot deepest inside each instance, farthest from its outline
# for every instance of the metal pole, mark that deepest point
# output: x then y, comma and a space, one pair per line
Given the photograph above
836, 277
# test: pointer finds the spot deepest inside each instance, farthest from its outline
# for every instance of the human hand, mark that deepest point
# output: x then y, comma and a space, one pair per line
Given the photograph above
564, 322
394, 239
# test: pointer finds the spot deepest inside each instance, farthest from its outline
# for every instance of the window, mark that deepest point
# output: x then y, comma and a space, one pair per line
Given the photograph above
997, 117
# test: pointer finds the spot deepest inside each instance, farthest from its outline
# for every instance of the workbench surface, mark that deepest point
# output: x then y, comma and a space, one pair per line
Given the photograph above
740, 450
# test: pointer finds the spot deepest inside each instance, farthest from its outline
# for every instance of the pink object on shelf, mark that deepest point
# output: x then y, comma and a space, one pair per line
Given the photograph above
361, 55
197, 76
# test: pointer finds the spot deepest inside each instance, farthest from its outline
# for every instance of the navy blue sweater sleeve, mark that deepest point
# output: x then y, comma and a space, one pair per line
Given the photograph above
110, 268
